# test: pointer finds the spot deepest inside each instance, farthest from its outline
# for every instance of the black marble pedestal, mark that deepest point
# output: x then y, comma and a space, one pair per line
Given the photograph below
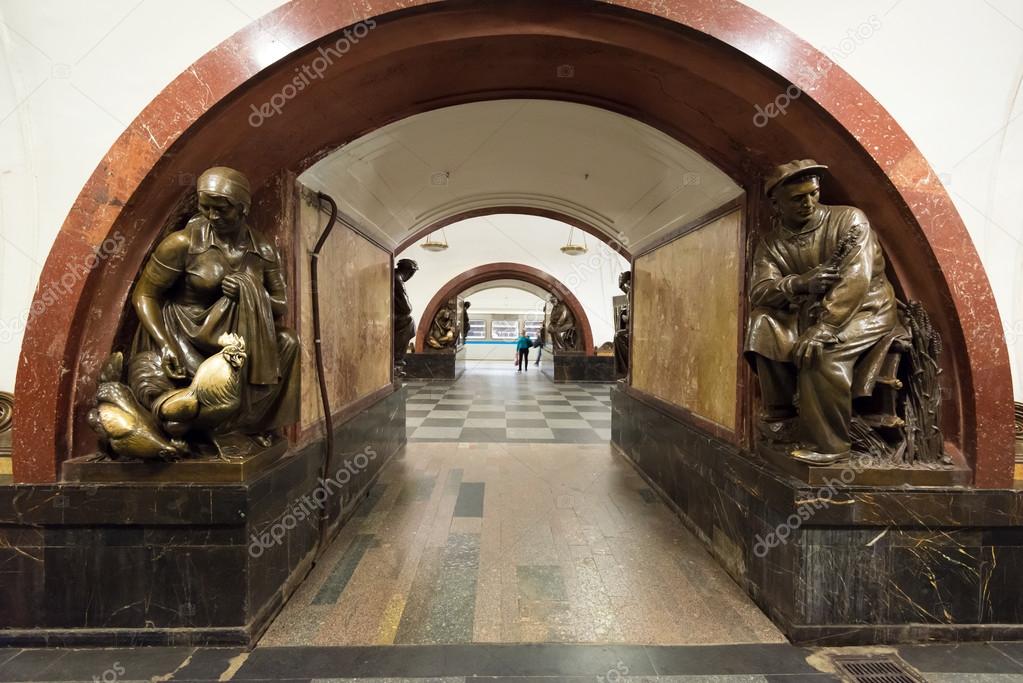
447, 364
837, 564
179, 564
575, 366
199, 470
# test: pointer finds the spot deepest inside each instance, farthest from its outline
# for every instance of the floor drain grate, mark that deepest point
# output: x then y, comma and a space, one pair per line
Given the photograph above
877, 669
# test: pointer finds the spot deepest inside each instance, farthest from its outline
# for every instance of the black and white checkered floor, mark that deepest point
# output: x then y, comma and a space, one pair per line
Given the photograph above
493, 403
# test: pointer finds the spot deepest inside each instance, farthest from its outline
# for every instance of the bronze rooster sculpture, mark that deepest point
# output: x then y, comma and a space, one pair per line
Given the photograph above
213, 397
150, 419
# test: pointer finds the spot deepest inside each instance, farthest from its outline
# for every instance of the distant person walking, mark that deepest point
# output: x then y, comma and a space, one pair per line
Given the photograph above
522, 347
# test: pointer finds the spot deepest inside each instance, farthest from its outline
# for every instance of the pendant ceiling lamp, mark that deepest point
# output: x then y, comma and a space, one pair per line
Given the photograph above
435, 245
571, 248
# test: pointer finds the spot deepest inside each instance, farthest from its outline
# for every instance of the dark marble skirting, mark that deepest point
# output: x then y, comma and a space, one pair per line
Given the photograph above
179, 564
447, 364
838, 564
575, 366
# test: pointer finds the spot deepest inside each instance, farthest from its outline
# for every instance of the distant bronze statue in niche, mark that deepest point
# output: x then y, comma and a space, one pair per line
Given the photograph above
842, 364
465, 320
209, 365
443, 330
621, 340
561, 326
404, 325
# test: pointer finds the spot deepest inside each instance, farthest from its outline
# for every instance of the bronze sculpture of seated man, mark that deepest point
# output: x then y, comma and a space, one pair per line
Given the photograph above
822, 311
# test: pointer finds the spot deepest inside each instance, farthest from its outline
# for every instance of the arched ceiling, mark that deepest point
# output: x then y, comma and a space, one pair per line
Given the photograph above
522, 285
620, 176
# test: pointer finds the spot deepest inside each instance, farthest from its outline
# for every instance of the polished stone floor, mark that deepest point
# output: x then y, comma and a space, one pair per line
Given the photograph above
490, 539
480, 542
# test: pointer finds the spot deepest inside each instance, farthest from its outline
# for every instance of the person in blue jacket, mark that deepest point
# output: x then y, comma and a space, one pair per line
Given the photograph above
522, 347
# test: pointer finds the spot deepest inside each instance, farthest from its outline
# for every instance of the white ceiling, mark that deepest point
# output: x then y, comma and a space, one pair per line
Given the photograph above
624, 178
526, 287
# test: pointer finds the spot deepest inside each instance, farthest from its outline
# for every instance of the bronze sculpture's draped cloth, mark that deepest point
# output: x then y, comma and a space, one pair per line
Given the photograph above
196, 313
859, 310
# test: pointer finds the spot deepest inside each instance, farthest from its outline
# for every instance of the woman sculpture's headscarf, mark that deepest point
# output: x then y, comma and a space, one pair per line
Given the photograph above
228, 183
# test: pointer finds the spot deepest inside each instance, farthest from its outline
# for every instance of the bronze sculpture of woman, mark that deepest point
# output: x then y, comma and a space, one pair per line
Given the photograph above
217, 276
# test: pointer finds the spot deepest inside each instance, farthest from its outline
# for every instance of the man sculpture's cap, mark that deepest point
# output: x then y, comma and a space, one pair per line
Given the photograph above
784, 172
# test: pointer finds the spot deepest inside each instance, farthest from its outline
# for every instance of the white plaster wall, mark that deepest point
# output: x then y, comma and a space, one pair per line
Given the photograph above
949, 71
74, 74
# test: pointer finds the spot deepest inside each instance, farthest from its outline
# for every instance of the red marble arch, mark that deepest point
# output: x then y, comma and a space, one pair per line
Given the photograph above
695, 69
504, 271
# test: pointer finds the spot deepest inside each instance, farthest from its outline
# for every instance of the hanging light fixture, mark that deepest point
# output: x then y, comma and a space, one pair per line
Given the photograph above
434, 245
574, 249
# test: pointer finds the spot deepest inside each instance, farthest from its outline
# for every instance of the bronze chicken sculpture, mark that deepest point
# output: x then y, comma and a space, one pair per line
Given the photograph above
125, 427
151, 418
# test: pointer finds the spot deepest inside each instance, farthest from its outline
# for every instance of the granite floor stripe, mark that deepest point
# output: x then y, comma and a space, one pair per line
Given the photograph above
416, 490
413, 625
541, 582
708, 660
335, 584
434, 661
465, 663
442, 604
453, 610
470, 499
373, 497
454, 482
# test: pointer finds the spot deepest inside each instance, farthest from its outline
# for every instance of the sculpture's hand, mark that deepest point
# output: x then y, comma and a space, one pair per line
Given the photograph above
810, 348
231, 286
817, 281
171, 362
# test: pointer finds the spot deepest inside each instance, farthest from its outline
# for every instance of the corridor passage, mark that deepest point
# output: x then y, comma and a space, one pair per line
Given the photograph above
493, 403
510, 519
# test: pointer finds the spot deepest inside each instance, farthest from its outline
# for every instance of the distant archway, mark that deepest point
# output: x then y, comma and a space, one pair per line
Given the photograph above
505, 271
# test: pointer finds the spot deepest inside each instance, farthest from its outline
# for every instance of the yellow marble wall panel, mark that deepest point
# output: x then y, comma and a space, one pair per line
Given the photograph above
686, 321
355, 316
